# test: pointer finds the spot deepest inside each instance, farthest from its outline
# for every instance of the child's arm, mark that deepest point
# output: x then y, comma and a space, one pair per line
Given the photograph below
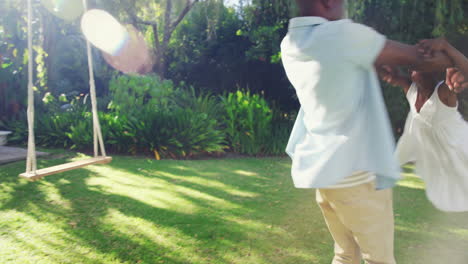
393, 77
429, 46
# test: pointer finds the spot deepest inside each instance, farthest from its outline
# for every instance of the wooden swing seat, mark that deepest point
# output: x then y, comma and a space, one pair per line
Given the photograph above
65, 167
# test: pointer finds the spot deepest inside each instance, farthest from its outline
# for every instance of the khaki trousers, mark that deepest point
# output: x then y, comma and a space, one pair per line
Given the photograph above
360, 220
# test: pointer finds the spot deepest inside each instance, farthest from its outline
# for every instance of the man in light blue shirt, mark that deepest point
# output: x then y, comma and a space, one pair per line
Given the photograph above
342, 142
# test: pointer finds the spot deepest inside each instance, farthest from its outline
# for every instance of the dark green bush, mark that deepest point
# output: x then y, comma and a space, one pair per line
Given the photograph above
252, 127
152, 117
165, 120
19, 127
281, 127
177, 133
131, 93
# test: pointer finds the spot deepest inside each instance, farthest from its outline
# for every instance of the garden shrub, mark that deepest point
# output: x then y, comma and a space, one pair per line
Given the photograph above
252, 127
165, 120
153, 117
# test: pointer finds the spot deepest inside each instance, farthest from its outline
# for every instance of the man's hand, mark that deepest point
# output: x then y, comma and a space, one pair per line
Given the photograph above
430, 46
438, 61
435, 51
455, 80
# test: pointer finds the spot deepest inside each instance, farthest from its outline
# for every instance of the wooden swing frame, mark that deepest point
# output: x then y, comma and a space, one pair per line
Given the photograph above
32, 173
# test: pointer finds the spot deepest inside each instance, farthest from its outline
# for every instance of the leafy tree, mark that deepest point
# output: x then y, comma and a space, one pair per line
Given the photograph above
158, 18
206, 51
265, 25
13, 57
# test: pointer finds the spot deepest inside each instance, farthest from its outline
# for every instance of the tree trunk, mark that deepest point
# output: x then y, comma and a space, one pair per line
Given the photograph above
161, 45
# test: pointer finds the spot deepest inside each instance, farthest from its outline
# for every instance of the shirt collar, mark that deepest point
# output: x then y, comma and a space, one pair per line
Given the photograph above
306, 21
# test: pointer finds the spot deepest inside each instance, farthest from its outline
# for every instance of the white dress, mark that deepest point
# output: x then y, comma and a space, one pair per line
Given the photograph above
436, 139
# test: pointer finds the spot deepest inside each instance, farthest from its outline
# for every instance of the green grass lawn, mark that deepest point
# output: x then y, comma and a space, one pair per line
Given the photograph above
138, 210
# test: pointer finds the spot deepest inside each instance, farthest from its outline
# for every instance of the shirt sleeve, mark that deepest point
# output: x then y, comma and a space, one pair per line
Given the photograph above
362, 44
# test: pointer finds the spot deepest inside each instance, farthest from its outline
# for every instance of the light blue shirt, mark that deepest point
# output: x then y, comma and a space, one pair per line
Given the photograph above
342, 126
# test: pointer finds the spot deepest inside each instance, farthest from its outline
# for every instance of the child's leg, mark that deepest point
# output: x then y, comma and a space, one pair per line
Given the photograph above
367, 214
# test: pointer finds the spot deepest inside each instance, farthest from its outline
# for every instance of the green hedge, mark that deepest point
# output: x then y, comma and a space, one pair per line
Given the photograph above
153, 117
252, 127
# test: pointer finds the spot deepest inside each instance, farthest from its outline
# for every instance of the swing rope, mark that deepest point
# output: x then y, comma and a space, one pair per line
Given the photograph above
31, 163
97, 135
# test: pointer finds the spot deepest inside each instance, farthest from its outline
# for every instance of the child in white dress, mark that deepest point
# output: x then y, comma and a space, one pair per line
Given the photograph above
435, 134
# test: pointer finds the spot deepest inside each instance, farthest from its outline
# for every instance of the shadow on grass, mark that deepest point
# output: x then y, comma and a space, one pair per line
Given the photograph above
237, 211
250, 226
423, 234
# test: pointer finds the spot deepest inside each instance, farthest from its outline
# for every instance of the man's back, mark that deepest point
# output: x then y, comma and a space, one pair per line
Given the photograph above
343, 126
317, 56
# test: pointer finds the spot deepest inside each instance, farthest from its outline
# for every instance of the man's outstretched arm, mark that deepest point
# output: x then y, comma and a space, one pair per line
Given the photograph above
398, 54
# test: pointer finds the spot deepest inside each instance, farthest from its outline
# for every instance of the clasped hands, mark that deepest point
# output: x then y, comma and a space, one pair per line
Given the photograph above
428, 48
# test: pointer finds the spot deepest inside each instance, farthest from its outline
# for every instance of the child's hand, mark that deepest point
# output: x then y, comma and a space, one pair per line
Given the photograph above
391, 76
456, 81
387, 74
429, 46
